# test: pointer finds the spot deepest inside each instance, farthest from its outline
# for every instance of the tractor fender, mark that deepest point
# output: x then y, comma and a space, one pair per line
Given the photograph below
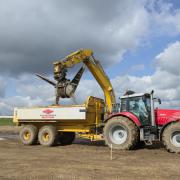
166, 125
129, 115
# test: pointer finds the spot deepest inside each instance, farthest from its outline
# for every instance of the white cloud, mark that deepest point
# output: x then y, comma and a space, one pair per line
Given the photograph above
2, 87
35, 32
7, 104
35, 89
169, 59
165, 80
164, 17
138, 67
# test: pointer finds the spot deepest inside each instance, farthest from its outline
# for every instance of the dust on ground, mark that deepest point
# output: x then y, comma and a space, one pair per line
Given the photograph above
83, 160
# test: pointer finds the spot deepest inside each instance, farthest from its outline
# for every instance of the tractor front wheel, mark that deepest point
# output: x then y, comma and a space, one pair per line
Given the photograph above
171, 137
121, 133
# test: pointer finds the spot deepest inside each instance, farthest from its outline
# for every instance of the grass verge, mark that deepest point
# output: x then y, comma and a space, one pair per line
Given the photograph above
6, 122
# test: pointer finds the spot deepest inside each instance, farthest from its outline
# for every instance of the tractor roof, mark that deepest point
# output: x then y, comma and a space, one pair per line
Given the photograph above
135, 95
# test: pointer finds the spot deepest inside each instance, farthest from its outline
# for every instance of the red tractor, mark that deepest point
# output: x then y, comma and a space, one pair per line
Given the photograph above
136, 121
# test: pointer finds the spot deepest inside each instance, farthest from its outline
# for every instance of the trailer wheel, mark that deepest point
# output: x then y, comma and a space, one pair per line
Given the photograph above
66, 138
171, 137
28, 134
121, 133
47, 136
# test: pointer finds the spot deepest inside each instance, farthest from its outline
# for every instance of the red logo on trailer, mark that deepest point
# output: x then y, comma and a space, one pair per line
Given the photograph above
48, 111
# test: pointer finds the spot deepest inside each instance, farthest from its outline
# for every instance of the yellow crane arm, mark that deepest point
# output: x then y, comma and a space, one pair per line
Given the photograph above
86, 56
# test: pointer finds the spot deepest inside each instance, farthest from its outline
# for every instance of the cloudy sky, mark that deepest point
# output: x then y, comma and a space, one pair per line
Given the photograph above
137, 42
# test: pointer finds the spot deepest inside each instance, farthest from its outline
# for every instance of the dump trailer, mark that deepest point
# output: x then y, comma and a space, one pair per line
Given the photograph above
58, 124
123, 125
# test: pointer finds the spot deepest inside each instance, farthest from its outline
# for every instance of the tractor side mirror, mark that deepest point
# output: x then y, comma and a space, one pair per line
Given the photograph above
157, 99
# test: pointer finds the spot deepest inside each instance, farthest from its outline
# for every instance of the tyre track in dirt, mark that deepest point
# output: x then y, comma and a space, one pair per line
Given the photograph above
83, 160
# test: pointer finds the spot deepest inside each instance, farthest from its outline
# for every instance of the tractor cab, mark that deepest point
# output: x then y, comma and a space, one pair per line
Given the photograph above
141, 105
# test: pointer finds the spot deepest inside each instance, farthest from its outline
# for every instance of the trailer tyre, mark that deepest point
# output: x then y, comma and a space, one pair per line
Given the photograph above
28, 134
66, 138
171, 137
47, 136
121, 133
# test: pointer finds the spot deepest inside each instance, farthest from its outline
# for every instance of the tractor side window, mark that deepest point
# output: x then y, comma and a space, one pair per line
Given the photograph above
123, 104
134, 105
142, 109
147, 102
137, 106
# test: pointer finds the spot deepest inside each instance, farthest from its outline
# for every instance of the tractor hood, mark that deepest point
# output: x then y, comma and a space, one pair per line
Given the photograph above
163, 116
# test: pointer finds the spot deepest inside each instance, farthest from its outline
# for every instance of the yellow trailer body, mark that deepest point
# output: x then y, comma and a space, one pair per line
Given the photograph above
83, 119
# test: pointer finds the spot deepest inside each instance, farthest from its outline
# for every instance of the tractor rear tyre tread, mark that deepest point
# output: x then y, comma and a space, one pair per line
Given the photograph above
132, 133
167, 135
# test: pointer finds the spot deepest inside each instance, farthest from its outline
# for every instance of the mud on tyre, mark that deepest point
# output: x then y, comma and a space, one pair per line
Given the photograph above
121, 132
28, 134
171, 137
47, 135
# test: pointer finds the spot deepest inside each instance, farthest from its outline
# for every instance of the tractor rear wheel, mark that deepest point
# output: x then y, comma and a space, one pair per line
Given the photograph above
47, 136
121, 133
66, 138
171, 137
28, 134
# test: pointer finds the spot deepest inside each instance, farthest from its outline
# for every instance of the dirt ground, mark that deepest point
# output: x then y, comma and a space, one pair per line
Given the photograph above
82, 160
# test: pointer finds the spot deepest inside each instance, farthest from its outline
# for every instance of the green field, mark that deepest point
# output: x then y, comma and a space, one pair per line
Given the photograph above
6, 122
